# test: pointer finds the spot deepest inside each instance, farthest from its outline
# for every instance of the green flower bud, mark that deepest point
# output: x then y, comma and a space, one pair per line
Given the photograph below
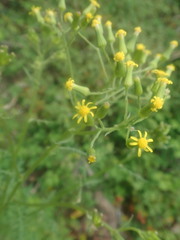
97, 218
120, 34
128, 81
137, 86
98, 28
172, 46
84, 90
103, 110
155, 61
62, 5
111, 37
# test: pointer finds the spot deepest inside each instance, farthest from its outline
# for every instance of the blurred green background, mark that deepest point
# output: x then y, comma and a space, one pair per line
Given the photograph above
145, 188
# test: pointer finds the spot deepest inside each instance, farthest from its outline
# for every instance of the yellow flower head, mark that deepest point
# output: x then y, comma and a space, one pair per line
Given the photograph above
83, 111
140, 46
89, 16
174, 43
95, 3
69, 84
141, 143
67, 16
35, 10
119, 56
160, 73
108, 24
137, 29
164, 80
120, 33
91, 159
95, 23
50, 12
171, 67
157, 103
98, 17
131, 63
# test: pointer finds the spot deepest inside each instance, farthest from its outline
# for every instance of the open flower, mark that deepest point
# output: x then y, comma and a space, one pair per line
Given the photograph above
157, 103
141, 143
91, 159
83, 111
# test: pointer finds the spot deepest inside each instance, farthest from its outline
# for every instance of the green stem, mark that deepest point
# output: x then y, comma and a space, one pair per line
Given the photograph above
126, 104
95, 138
98, 52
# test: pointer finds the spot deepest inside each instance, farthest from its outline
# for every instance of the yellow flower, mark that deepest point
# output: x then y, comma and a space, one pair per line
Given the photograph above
35, 10
131, 63
95, 23
157, 103
171, 67
174, 43
83, 111
141, 142
137, 29
119, 56
89, 16
68, 16
95, 3
98, 17
91, 159
69, 84
160, 73
120, 33
165, 80
50, 12
108, 23
140, 46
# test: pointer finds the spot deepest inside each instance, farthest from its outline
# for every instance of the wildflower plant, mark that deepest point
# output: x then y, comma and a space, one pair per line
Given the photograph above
135, 85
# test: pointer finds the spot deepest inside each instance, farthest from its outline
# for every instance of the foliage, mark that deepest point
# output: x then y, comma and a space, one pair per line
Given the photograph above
48, 188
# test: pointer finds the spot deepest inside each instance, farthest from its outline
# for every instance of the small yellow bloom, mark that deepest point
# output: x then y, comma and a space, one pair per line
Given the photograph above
95, 23
121, 33
137, 29
119, 56
50, 12
157, 103
83, 111
165, 80
141, 142
140, 46
147, 52
159, 73
131, 63
98, 17
69, 84
91, 159
95, 3
174, 43
89, 16
171, 67
35, 10
108, 23
68, 16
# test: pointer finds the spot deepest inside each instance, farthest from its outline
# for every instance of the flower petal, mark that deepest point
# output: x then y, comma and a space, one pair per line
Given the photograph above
75, 116
139, 152
79, 120
140, 134
134, 138
133, 144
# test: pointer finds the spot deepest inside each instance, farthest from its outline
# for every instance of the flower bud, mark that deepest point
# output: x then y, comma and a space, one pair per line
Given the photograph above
111, 37
97, 218
98, 28
37, 12
132, 42
128, 81
120, 68
92, 7
172, 45
62, 5
103, 110
170, 68
91, 155
155, 61
68, 17
70, 85
120, 34
137, 86
50, 16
